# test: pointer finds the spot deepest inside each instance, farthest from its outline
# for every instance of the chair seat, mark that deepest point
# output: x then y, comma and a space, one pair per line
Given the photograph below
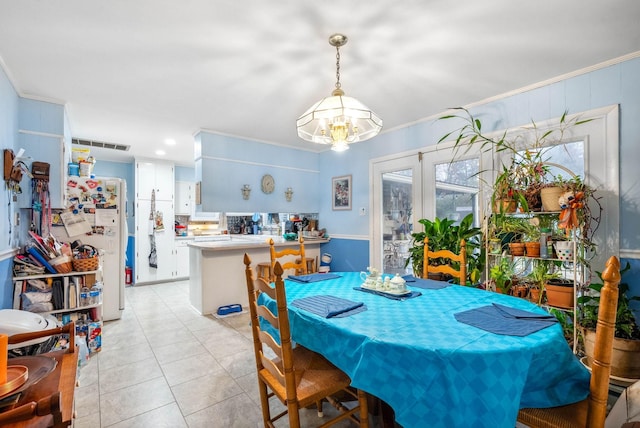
569, 416
315, 376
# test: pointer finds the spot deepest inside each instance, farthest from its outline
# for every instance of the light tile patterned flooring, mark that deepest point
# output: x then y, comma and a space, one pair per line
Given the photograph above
164, 365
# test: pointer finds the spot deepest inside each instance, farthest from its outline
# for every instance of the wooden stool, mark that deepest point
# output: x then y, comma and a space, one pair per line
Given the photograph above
264, 271
311, 265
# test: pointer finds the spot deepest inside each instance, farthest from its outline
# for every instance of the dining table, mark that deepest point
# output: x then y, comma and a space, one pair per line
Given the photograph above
417, 353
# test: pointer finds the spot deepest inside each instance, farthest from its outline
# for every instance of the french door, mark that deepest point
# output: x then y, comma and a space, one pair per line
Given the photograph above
397, 186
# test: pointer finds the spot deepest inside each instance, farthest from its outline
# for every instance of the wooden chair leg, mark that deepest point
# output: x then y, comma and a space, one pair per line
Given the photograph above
363, 401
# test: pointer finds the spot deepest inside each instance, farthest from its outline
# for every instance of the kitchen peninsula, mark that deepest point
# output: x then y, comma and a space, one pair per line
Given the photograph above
216, 267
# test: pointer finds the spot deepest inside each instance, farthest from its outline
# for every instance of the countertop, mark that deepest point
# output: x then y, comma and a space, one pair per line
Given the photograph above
225, 242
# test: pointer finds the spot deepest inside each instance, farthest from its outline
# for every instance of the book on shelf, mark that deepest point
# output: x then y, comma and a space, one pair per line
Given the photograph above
18, 289
75, 285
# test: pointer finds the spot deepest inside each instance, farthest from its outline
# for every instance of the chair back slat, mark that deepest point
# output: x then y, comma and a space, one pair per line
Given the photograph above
274, 368
264, 287
267, 339
450, 257
269, 316
605, 331
288, 257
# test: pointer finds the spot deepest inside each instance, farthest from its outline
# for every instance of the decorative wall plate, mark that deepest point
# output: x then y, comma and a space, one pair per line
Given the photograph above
267, 184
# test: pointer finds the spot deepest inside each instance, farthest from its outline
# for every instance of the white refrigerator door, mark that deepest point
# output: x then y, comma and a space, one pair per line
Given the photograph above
113, 243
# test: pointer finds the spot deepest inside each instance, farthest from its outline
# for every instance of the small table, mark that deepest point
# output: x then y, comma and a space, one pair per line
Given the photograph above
430, 368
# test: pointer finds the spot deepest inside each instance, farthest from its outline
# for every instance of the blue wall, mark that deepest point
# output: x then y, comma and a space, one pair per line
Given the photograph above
9, 102
224, 164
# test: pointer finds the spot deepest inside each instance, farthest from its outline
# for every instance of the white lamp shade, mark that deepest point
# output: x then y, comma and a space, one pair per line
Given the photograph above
315, 124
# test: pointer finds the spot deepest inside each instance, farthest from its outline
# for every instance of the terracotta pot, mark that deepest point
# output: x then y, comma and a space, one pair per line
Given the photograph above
625, 359
534, 295
517, 249
550, 196
532, 248
504, 206
520, 291
560, 296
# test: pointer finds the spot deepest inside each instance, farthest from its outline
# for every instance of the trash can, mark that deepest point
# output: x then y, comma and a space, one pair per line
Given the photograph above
127, 275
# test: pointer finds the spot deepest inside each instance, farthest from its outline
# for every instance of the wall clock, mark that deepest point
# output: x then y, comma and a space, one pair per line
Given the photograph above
267, 184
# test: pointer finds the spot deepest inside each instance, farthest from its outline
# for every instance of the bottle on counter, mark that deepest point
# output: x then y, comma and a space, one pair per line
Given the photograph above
545, 240
84, 296
95, 294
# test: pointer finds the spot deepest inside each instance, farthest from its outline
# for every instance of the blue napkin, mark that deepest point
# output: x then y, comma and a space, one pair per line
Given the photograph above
314, 277
428, 284
505, 320
329, 306
389, 295
509, 312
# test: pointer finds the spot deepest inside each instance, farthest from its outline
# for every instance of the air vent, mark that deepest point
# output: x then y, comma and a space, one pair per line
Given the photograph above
100, 144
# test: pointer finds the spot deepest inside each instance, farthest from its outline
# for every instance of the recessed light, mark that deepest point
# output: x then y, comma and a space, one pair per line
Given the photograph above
160, 152
170, 142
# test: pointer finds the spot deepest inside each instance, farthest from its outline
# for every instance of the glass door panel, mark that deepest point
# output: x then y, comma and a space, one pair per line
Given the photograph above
456, 189
397, 204
396, 186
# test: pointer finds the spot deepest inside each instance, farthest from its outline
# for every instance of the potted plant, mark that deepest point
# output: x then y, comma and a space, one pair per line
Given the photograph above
626, 343
444, 234
531, 239
526, 171
541, 272
559, 292
501, 274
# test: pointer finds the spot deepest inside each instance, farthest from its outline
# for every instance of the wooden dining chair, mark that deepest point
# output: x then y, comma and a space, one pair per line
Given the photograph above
49, 402
592, 411
451, 260
298, 377
290, 258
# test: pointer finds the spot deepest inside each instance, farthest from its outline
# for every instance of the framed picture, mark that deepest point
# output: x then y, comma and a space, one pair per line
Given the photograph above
341, 192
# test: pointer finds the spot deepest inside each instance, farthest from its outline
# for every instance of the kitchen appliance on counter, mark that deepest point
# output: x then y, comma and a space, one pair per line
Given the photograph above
102, 203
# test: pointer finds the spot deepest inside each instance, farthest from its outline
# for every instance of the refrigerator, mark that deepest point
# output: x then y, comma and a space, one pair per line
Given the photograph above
100, 220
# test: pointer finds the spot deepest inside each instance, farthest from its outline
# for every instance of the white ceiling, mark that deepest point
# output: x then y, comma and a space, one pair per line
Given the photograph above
139, 72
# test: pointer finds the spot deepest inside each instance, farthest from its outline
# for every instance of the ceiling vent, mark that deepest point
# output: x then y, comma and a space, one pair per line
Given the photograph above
101, 144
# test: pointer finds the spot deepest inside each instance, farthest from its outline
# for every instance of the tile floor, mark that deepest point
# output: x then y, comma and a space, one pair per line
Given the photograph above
164, 365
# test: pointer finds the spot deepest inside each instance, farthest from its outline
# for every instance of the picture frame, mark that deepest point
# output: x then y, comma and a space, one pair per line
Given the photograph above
341, 193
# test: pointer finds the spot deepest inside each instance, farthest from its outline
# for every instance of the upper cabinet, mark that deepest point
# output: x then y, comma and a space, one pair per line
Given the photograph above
154, 176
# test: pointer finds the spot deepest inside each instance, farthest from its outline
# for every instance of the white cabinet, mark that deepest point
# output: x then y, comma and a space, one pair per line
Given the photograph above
182, 257
185, 197
154, 175
159, 177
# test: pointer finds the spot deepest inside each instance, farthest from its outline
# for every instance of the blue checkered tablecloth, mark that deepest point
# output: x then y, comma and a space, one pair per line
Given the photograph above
431, 369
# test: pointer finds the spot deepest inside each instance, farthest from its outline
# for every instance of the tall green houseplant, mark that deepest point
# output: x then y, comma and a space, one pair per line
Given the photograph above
444, 234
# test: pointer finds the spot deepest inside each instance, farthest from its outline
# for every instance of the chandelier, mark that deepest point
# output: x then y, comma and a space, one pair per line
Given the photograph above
338, 120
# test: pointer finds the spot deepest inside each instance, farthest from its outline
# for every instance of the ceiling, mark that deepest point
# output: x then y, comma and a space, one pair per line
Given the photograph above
140, 72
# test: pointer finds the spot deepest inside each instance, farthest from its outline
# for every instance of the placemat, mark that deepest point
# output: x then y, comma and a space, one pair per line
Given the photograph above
329, 306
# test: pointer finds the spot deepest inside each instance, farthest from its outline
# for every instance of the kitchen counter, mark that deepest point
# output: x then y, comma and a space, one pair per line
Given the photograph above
223, 242
216, 267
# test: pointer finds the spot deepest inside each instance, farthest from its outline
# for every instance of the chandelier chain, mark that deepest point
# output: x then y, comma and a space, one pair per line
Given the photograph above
338, 85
